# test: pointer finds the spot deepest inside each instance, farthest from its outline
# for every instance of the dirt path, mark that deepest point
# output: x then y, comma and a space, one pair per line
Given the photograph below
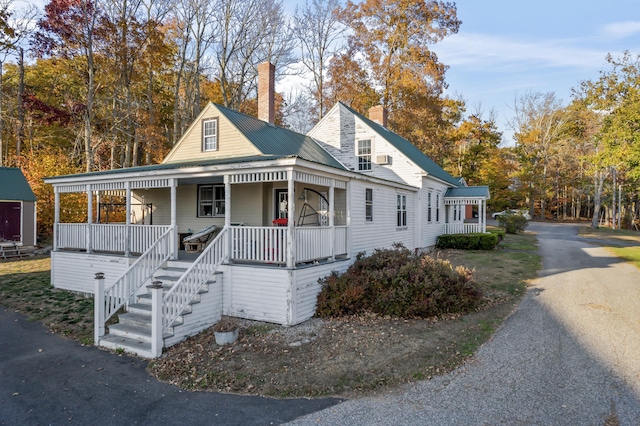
568, 355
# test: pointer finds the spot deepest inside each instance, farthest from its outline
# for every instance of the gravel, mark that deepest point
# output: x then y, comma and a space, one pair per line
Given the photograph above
568, 355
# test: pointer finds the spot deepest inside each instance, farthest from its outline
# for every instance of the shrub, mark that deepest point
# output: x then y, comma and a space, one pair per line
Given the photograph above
398, 283
499, 232
467, 241
513, 223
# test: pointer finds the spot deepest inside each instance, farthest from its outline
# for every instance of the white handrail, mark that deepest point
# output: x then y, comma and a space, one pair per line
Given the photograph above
138, 274
185, 289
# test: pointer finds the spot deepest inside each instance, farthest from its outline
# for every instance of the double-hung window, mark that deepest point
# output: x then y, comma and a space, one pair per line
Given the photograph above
401, 210
210, 200
368, 204
429, 206
210, 134
437, 207
363, 152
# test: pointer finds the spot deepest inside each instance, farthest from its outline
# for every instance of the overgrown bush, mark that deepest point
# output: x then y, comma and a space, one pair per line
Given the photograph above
398, 283
499, 232
513, 223
467, 241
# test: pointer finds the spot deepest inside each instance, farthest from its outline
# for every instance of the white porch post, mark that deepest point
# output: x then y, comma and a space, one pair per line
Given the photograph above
98, 311
56, 216
174, 220
156, 318
227, 214
88, 232
483, 215
349, 195
127, 222
331, 218
291, 214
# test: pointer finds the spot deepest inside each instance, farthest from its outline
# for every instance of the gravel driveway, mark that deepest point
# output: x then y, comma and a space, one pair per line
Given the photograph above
569, 354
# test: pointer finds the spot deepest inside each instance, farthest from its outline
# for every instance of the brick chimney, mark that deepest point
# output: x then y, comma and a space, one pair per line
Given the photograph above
266, 92
378, 114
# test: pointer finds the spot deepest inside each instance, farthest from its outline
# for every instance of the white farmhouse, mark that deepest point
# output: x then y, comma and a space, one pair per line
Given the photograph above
280, 209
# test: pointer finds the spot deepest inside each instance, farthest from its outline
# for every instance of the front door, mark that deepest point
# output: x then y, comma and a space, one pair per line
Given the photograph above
281, 204
10, 213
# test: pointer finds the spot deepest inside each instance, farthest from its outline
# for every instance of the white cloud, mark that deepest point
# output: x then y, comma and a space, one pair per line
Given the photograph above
621, 30
509, 54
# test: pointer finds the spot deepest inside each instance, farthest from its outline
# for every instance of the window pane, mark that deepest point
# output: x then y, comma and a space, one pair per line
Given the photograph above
210, 135
364, 154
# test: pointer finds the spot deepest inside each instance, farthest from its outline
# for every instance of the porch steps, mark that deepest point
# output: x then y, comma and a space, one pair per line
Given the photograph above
132, 333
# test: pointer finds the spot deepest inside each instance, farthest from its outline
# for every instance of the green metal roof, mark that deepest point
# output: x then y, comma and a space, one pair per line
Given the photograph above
14, 186
178, 165
408, 149
270, 139
468, 192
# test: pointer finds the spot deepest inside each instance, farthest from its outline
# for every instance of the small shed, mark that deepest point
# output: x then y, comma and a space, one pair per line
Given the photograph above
17, 208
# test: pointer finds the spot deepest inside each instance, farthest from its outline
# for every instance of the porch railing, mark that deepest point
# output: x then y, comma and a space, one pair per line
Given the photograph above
185, 289
265, 244
108, 237
71, 235
138, 274
462, 228
268, 244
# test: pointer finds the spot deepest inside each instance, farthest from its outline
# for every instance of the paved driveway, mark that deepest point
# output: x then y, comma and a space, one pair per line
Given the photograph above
569, 355
45, 379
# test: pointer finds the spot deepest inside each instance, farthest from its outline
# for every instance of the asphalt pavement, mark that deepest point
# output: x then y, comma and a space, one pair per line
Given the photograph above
568, 355
49, 380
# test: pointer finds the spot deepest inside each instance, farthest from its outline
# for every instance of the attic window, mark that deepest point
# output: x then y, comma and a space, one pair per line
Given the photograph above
363, 151
210, 134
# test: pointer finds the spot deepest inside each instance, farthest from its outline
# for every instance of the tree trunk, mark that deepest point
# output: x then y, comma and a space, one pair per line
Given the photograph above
598, 182
20, 107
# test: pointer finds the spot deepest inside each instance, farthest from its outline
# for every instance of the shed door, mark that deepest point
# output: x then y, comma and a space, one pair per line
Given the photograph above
10, 213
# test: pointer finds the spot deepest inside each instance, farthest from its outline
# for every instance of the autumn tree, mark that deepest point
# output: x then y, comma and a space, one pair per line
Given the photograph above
249, 33
538, 125
614, 101
318, 30
67, 31
394, 38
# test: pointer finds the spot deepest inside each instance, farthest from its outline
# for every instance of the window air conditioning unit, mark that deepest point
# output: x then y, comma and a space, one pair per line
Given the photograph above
383, 159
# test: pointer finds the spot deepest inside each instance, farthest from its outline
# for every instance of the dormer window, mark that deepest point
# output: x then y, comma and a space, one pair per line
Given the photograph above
363, 152
210, 134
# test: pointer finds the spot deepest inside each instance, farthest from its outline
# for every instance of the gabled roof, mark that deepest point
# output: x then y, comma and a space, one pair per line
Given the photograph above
272, 140
468, 192
176, 166
14, 185
408, 149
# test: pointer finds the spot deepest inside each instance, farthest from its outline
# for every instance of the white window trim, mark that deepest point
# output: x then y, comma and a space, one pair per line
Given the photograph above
429, 206
368, 203
214, 201
401, 209
214, 136
370, 155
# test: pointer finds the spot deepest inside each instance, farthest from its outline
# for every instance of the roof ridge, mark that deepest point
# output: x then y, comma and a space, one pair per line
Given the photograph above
406, 146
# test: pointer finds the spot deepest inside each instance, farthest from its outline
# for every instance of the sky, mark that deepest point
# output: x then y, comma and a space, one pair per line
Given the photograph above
506, 48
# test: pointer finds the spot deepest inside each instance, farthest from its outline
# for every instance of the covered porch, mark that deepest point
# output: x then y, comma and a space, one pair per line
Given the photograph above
265, 225
459, 218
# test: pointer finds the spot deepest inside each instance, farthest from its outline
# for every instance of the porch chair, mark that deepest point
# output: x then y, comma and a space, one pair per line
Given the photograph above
196, 242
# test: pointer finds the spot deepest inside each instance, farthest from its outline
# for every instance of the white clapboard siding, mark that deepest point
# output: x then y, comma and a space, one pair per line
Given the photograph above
382, 232
261, 294
431, 230
203, 314
76, 271
307, 288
